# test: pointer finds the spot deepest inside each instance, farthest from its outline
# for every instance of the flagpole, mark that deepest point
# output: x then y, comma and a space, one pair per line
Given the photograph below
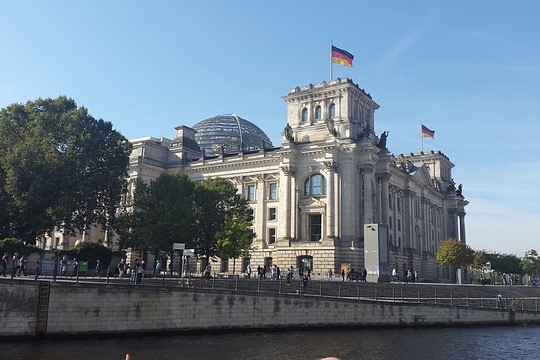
422, 136
331, 68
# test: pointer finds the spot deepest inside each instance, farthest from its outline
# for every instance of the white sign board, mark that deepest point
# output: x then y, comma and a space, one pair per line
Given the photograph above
189, 252
178, 246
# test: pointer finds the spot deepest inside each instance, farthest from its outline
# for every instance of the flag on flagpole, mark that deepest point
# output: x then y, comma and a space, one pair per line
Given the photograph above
342, 57
427, 132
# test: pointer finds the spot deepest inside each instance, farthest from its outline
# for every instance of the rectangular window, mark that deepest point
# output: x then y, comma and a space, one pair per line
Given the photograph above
272, 213
251, 214
390, 222
271, 235
315, 227
272, 191
399, 204
399, 224
224, 266
390, 201
250, 193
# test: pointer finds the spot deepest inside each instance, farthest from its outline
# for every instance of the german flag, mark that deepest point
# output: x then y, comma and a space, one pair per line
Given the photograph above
427, 133
341, 57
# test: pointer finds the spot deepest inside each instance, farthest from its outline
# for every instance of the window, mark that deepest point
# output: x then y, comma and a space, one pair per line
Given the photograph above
315, 185
399, 224
272, 191
399, 204
272, 214
332, 110
250, 194
318, 113
251, 214
315, 227
390, 222
271, 235
390, 201
224, 265
304, 115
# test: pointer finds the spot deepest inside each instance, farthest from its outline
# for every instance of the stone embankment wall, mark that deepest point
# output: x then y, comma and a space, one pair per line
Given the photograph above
30, 308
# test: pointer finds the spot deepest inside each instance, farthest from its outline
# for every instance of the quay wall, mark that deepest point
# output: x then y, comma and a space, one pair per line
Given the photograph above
77, 309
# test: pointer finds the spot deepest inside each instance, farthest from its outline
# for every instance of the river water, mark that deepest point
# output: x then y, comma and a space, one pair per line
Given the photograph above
453, 343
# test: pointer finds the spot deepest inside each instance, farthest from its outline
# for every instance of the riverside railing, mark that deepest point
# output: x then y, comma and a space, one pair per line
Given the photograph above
494, 296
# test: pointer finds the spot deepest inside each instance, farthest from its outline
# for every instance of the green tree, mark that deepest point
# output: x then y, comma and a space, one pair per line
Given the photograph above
234, 239
455, 253
214, 198
505, 263
92, 252
162, 214
530, 263
58, 167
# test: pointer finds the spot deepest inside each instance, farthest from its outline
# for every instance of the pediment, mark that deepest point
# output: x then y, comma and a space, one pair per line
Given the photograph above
422, 177
310, 202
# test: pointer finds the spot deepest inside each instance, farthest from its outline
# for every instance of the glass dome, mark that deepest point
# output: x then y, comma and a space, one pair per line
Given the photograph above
230, 132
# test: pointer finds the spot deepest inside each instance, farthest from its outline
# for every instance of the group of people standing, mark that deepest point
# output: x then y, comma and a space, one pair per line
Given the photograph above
17, 263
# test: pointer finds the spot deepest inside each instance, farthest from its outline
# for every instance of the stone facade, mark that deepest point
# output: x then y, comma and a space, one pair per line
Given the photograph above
312, 196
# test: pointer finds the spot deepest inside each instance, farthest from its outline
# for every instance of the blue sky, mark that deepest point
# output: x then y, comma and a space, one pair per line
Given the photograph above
469, 70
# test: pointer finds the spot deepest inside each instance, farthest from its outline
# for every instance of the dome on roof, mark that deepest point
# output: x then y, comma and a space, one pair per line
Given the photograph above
230, 132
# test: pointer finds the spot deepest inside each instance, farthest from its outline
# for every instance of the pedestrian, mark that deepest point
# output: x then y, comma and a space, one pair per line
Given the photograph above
38, 269
121, 268
98, 268
364, 275
14, 264
207, 272
330, 274
157, 270
416, 280
22, 266
342, 274
4, 264
132, 270
248, 271
140, 273
75, 267
63, 266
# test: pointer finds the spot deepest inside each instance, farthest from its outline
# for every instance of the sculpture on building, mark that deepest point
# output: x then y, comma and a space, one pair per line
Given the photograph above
288, 134
382, 141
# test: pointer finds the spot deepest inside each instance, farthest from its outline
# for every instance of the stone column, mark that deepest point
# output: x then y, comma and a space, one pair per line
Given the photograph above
462, 237
383, 211
331, 167
367, 199
284, 229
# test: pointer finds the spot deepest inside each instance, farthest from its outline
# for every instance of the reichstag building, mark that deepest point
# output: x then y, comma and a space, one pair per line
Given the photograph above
330, 186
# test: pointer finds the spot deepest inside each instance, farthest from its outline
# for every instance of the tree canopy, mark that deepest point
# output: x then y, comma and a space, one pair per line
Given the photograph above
162, 214
209, 217
530, 263
58, 167
455, 253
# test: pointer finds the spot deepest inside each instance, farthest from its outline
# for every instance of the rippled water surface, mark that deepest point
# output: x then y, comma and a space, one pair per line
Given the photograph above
457, 343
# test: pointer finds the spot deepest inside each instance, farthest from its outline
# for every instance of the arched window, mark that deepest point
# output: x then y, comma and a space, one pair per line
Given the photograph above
318, 113
315, 185
304, 115
332, 110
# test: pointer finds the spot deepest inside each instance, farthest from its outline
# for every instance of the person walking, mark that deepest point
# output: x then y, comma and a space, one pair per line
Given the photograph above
330, 274
22, 266
248, 271
98, 268
4, 264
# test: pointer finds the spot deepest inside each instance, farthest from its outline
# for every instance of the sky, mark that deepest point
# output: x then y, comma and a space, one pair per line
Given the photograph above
467, 69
